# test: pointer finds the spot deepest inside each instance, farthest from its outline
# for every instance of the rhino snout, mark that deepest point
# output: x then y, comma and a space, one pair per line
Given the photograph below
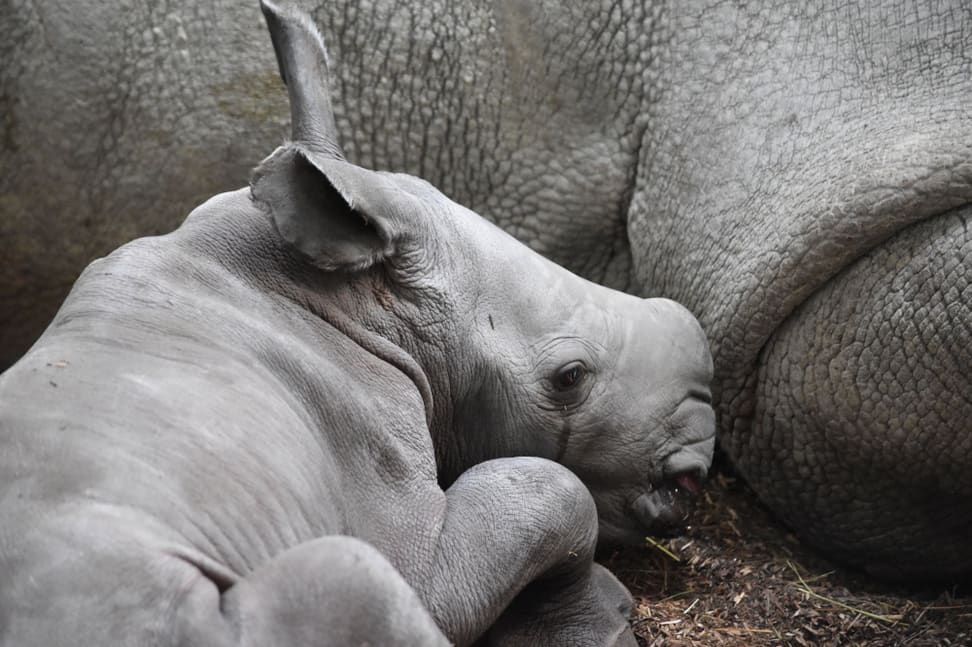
666, 510
667, 505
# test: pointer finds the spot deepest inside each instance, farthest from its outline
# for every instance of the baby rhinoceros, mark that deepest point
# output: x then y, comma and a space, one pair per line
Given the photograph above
336, 408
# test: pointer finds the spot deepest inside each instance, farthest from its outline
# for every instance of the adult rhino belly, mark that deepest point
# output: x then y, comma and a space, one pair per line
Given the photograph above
837, 305
804, 191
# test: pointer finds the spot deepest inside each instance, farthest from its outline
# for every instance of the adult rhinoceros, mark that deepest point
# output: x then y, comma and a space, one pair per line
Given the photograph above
239, 433
798, 174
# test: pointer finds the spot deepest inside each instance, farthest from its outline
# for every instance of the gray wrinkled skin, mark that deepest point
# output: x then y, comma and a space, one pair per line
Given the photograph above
329, 410
797, 174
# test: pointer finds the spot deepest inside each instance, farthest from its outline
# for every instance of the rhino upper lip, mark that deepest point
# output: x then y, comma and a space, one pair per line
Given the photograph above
689, 481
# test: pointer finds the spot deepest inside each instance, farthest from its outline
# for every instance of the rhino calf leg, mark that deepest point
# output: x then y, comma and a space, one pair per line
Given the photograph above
330, 591
518, 544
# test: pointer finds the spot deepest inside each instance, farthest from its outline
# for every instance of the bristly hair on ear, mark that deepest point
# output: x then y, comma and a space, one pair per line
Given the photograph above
314, 207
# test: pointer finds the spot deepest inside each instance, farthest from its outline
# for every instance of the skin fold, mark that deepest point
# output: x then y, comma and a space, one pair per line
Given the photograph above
798, 175
327, 410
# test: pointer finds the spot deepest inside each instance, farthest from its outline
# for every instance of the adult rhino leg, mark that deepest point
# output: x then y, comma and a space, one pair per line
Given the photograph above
330, 591
862, 437
516, 550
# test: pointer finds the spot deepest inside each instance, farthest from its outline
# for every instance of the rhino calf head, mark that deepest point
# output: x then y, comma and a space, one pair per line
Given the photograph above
514, 355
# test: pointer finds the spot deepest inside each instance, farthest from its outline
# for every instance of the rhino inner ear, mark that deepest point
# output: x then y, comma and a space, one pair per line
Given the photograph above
313, 214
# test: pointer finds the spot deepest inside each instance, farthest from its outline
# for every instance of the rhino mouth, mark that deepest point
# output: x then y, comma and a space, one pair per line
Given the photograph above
665, 509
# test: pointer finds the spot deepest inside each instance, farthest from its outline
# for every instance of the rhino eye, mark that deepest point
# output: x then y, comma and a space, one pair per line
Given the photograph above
569, 376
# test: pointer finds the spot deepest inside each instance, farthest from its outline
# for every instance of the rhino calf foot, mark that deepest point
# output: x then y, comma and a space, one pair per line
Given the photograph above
593, 610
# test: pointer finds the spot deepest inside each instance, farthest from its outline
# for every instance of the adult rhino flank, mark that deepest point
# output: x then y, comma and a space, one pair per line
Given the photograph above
797, 174
326, 410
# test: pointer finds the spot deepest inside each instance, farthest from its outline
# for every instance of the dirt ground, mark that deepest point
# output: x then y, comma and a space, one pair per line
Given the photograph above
738, 578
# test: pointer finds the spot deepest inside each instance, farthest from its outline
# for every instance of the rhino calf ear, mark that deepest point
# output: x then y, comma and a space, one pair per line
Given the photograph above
314, 212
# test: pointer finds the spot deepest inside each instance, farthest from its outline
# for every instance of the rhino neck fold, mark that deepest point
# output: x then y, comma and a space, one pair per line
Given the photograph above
390, 322
383, 348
